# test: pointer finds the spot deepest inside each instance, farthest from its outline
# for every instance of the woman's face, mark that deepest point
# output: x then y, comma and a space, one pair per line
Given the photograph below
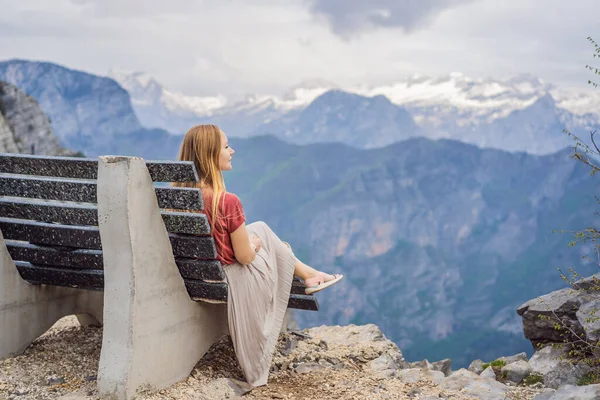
226, 154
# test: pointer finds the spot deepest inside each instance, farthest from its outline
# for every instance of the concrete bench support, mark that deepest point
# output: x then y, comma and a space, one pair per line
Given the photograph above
27, 311
153, 333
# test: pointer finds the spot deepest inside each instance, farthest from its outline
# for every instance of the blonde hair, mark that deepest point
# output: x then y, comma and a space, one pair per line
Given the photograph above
202, 145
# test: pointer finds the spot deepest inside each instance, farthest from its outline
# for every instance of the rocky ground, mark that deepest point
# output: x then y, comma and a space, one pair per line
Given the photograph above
353, 362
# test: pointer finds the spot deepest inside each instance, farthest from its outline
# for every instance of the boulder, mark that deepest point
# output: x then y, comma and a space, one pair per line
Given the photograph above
470, 383
516, 371
444, 366
562, 304
476, 367
588, 316
571, 392
488, 373
384, 366
511, 359
552, 364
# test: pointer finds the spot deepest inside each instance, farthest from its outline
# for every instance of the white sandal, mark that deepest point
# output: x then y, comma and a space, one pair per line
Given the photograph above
322, 284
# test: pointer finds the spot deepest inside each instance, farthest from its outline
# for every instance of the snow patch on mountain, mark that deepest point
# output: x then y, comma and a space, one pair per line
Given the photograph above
145, 91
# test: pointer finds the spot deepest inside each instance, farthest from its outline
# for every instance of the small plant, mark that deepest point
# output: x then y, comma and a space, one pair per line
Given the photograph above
532, 379
588, 379
496, 364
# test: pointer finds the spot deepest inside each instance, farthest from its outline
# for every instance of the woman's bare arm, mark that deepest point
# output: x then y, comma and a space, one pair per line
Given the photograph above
243, 251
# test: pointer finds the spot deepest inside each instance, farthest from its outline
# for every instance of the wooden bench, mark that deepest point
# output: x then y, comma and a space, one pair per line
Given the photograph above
64, 226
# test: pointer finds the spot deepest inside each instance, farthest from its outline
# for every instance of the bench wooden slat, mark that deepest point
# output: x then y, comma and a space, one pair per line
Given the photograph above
80, 278
81, 237
88, 237
200, 269
199, 290
92, 259
94, 280
87, 214
84, 191
48, 188
57, 257
303, 302
87, 168
200, 247
298, 286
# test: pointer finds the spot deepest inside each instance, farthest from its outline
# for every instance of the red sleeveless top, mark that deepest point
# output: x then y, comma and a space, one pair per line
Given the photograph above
231, 217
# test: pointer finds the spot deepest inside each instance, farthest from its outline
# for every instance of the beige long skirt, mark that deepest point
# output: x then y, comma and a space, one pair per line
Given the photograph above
257, 301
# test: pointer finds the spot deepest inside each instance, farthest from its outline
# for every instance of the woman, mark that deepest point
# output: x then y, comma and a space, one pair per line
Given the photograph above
258, 266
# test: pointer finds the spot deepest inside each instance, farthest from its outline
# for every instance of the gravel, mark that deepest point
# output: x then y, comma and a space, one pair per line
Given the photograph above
63, 363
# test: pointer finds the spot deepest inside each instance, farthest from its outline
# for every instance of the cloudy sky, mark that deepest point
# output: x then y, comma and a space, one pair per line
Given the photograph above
234, 47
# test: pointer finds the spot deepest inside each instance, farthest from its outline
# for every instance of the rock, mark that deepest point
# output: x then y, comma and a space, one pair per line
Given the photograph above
488, 373
289, 344
307, 367
570, 392
21, 115
546, 359
591, 283
444, 366
361, 344
551, 363
511, 359
240, 388
384, 366
546, 394
574, 307
476, 367
516, 371
8, 143
55, 380
589, 318
565, 373
470, 383
420, 364
563, 304
412, 375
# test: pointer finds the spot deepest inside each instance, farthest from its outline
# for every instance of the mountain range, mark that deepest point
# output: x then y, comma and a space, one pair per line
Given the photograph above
521, 113
88, 113
518, 114
440, 240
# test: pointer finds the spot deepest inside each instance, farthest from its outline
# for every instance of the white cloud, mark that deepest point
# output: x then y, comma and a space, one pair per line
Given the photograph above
237, 46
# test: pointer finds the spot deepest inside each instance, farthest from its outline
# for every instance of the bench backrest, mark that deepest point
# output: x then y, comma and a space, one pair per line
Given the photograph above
49, 218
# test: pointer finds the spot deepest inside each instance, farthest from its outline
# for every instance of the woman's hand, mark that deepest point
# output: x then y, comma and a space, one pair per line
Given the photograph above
255, 240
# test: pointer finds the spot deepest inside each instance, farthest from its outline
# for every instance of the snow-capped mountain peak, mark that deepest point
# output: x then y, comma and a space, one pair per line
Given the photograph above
146, 92
472, 100
304, 93
439, 105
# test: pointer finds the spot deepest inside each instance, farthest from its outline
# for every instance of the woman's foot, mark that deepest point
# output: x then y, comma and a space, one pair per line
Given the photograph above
321, 281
